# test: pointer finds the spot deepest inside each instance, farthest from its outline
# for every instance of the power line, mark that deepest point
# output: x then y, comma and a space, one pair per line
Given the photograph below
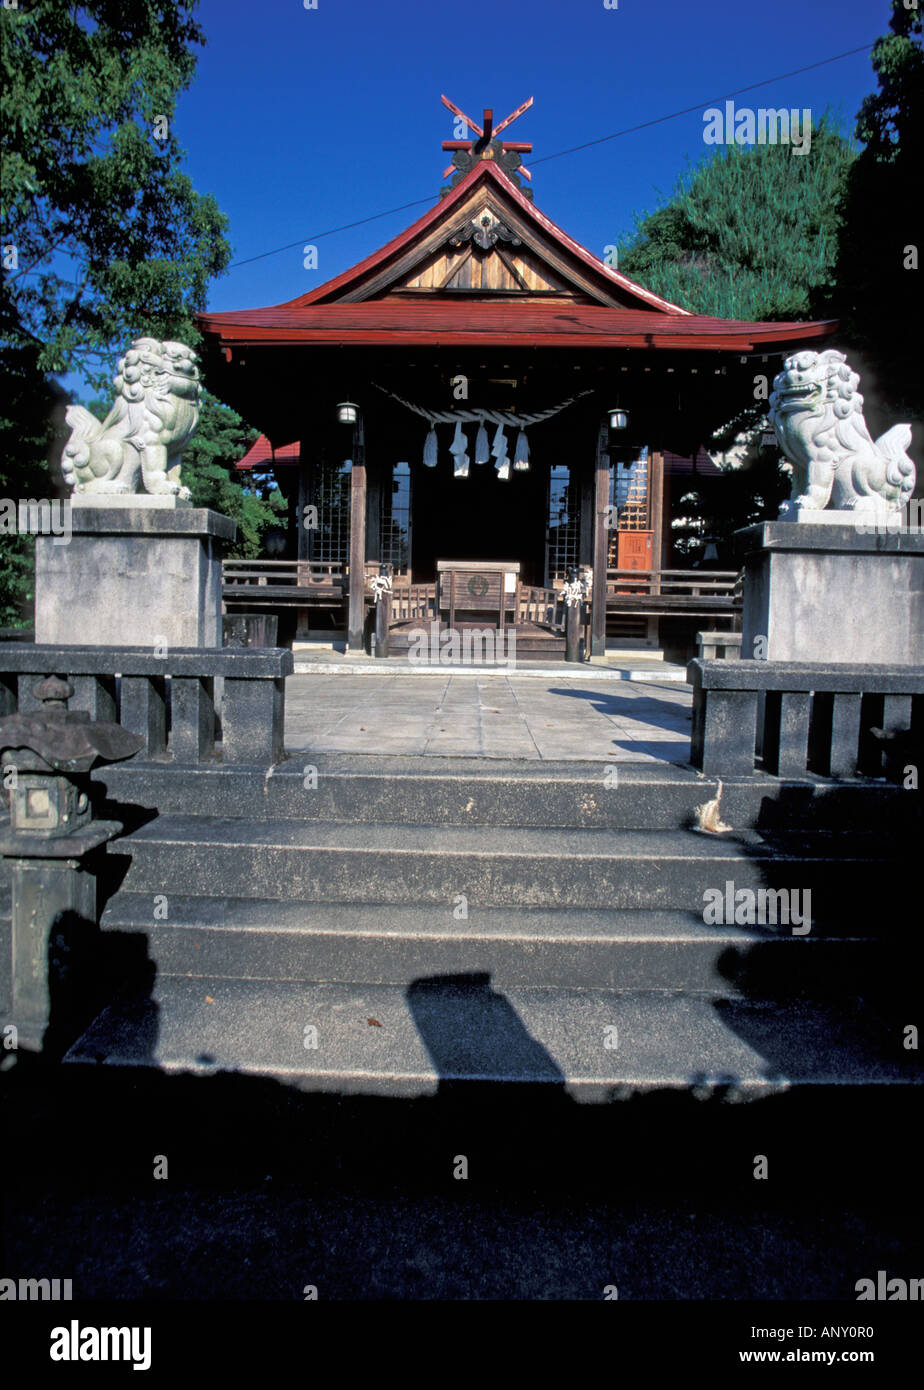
658, 120
316, 236
573, 149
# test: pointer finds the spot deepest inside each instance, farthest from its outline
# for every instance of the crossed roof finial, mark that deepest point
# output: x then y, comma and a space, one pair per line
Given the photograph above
487, 145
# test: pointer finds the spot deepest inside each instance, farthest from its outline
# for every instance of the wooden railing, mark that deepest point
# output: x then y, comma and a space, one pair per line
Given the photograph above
658, 593
533, 604
413, 602
283, 581
273, 572
543, 606
690, 582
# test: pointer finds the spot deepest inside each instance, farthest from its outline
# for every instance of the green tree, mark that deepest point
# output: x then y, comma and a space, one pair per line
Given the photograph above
877, 286
748, 232
109, 237
208, 471
103, 235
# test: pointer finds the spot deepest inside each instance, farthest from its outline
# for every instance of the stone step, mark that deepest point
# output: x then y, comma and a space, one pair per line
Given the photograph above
235, 938
480, 791
492, 866
594, 1045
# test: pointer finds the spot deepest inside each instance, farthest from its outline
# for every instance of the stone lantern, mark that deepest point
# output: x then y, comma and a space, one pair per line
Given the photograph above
46, 757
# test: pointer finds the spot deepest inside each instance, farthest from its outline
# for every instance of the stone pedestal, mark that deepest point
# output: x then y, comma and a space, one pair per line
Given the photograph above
828, 593
132, 576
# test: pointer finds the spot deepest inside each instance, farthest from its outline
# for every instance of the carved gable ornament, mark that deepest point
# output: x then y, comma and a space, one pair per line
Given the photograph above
484, 231
463, 161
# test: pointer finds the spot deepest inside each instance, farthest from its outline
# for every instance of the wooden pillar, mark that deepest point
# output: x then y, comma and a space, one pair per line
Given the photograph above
656, 521
601, 544
586, 553
357, 605
375, 485
656, 494
304, 539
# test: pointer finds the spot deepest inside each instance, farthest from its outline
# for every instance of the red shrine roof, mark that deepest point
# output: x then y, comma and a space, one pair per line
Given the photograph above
484, 267
261, 454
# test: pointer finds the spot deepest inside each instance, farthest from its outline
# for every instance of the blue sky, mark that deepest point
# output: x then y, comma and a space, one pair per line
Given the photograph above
301, 120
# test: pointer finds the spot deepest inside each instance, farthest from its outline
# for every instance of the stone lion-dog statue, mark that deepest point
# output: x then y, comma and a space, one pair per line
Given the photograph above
138, 447
817, 414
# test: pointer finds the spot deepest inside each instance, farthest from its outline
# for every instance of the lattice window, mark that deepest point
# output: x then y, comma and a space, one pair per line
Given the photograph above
395, 527
329, 491
629, 491
628, 495
564, 522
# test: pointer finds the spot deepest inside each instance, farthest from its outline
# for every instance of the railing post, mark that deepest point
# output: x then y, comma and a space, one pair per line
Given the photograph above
96, 695
724, 727
252, 720
845, 735
192, 718
9, 694
786, 732
143, 710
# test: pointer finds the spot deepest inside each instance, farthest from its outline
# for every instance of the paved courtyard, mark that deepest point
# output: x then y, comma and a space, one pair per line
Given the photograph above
491, 716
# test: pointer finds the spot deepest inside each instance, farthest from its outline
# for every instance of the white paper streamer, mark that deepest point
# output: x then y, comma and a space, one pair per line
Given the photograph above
458, 449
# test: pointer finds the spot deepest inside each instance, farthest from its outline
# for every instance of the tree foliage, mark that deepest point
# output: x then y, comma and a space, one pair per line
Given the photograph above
749, 231
208, 471
109, 237
103, 235
877, 284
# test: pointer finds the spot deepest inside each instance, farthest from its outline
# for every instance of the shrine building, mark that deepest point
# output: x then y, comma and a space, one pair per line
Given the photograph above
478, 409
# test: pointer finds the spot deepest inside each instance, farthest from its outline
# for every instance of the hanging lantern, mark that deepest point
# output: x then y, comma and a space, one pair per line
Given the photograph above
347, 413
618, 419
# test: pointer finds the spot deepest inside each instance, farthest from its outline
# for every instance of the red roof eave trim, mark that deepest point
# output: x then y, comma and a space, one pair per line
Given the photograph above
693, 336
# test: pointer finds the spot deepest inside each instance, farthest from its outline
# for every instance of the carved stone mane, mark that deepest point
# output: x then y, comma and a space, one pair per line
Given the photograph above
139, 445
817, 414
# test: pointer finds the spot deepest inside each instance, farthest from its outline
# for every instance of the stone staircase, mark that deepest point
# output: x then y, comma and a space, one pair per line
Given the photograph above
394, 925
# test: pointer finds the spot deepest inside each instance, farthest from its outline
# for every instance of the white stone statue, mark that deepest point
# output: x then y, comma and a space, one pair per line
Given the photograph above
817, 413
138, 446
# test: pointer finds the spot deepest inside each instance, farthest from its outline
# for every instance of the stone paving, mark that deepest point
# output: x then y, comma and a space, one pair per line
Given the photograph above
575, 719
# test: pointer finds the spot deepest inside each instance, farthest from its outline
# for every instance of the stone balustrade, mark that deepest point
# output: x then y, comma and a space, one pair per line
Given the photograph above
170, 700
805, 716
712, 645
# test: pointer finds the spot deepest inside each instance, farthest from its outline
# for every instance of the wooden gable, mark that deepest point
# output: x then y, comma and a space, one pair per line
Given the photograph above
500, 271
486, 252
486, 241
